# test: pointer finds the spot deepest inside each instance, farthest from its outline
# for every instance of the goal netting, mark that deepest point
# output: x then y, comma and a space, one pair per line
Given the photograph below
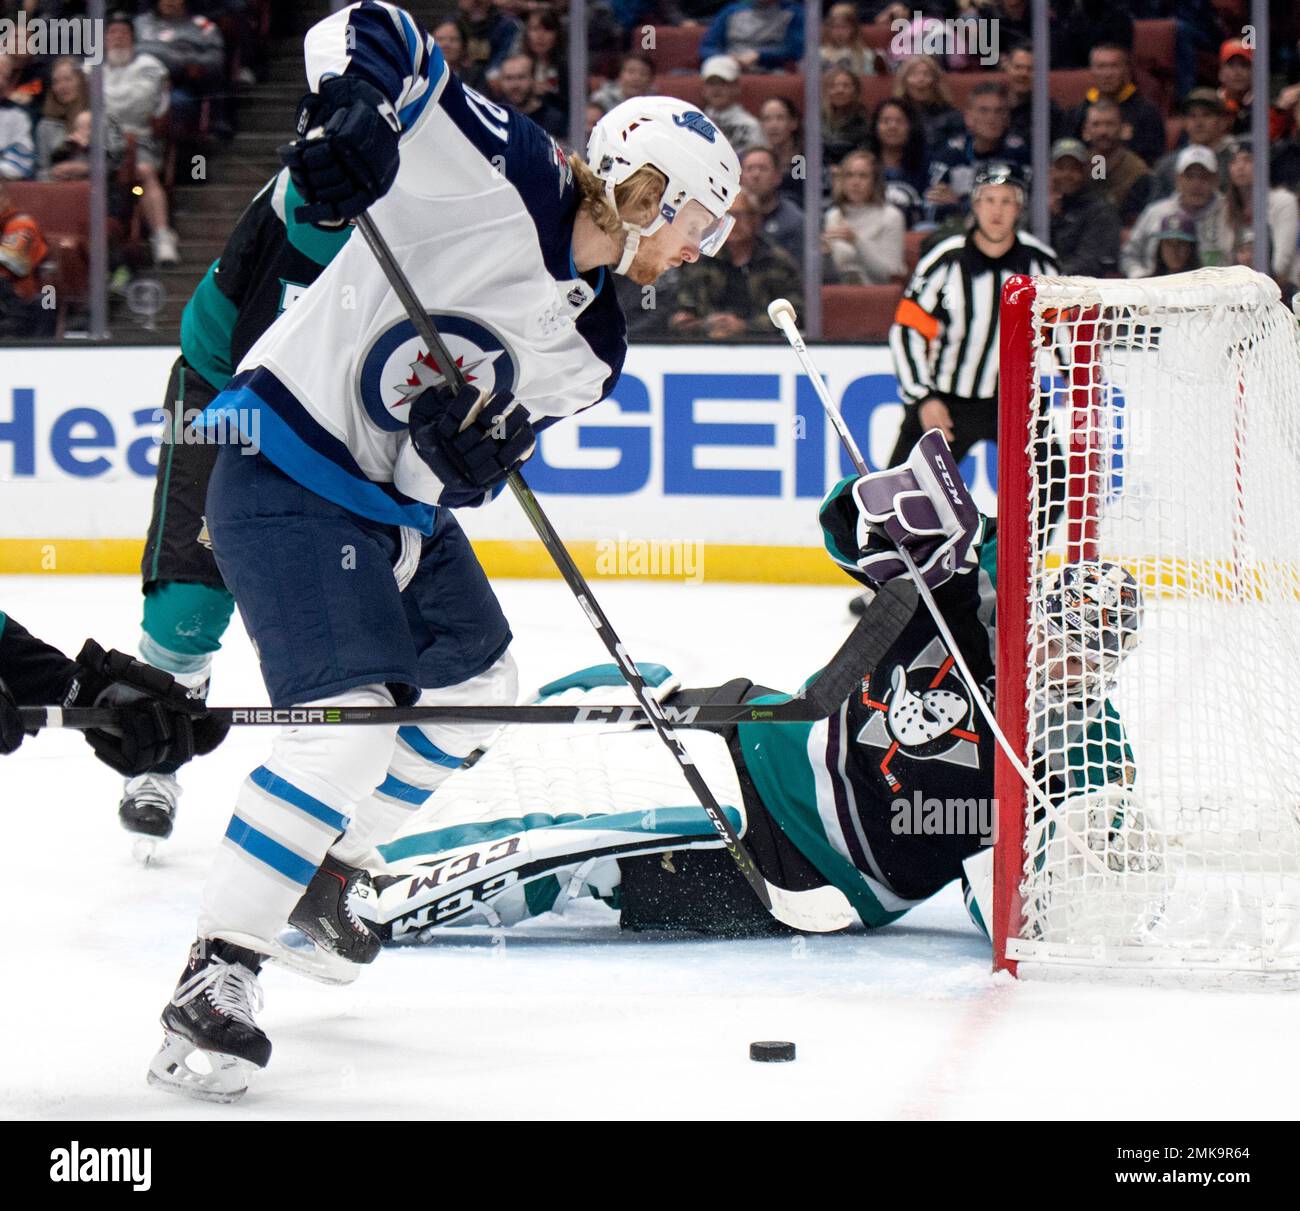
1154, 425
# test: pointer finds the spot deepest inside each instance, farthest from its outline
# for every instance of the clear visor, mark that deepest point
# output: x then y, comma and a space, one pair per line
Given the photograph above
696, 226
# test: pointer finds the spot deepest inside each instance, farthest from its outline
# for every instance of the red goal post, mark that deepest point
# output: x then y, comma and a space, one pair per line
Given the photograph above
1176, 402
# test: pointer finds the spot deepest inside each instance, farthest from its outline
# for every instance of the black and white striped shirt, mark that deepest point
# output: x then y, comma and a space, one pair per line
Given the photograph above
945, 334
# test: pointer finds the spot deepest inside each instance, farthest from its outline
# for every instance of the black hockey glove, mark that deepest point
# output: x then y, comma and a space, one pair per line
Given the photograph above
11, 728
922, 507
470, 459
161, 727
346, 153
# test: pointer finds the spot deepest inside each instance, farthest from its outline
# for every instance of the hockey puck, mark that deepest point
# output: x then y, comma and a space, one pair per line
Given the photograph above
771, 1051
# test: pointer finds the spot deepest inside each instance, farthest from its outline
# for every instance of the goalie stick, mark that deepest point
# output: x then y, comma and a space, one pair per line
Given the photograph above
863, 649
781, 313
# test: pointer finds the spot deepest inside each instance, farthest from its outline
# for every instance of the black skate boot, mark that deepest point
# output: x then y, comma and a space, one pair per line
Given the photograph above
148, 809
326, 914
210, 1015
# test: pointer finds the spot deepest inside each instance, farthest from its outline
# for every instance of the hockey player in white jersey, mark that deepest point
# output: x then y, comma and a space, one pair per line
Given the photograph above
331, 525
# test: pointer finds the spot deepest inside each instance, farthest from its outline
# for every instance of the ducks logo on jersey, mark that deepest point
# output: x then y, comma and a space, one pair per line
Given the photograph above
398, 366
926, 714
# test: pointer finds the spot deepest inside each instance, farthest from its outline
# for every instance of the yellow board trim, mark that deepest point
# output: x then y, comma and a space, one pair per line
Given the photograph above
716, 562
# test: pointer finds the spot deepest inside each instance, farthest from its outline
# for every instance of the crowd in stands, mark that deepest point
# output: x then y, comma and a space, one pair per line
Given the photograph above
1150, 137
170, 70
1149, 123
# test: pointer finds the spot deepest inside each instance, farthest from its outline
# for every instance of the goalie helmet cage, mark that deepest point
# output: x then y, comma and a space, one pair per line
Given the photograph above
1166, 844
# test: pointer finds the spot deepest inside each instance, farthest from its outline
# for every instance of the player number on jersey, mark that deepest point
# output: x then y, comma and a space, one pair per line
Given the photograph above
486, 111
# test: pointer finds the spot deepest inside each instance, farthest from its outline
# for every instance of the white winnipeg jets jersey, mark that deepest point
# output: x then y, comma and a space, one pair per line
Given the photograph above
480, 218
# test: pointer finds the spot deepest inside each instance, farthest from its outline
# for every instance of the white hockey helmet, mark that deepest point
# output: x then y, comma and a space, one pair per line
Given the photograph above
689, 149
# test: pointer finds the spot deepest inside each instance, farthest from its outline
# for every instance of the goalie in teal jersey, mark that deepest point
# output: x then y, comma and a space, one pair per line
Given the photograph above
890, 798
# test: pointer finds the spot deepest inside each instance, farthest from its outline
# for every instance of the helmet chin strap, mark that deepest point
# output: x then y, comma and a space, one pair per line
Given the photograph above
632, 243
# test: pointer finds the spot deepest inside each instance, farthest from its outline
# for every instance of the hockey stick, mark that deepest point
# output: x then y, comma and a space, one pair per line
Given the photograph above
822, 910
889, 612
781, 313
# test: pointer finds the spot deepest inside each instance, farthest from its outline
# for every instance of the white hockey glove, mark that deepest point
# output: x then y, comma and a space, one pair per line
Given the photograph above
922, 507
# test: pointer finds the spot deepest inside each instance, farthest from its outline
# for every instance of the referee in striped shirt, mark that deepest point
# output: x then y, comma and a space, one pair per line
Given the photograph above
945, 335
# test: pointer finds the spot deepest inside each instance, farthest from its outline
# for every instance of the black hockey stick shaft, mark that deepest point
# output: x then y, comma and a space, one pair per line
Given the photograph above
889, 612
572, 576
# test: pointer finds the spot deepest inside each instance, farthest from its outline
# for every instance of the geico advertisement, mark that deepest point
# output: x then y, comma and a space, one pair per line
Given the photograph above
721, 444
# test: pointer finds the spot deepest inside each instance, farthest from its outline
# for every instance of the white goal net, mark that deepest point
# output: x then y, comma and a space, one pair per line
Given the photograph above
1162, 832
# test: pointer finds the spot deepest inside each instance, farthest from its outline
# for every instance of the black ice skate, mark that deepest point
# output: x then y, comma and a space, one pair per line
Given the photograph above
148, 809
211, 1044
341, 943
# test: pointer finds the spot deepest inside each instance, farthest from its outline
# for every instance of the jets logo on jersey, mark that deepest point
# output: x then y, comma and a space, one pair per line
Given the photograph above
398, 366
696, 121
925, 714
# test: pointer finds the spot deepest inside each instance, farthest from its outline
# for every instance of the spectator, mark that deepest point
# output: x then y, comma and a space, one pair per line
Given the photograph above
1080, 26
1143, 128
487, 33
986, 137
862, 233
779, 219
1085, 226
17, 153
135, 94
452, 44
647, 308
193, 52
1206, 124
593, 115
1175, 246
68, 96
842, 42
898, 142
1196, 195
1283, 212
761, 35
845, 122
725, 297
515, 85
919, 82
636, 78
1014, 17
543, 39
1285, 169
1243, 248
1018, 73
1124, 178
779, 121
1235, 59
22, 249
722, 104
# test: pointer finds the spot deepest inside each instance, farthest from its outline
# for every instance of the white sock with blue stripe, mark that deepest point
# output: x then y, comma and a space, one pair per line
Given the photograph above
424, 758
287, 815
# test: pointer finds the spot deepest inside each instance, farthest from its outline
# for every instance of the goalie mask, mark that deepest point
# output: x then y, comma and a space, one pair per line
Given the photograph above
676, 138
1085, 625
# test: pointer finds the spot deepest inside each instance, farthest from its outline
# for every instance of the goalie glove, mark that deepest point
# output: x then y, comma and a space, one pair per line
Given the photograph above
160, 726
470, 447
922, 507
346, 154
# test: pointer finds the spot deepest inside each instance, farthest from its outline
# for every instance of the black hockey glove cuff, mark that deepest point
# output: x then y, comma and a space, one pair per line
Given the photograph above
470, 456
346, 154
160, 726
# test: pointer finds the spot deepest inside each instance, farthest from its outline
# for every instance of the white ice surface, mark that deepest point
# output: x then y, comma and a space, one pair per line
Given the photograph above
568, 1019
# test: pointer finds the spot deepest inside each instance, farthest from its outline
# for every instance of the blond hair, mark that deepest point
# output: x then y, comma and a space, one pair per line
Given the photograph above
877, 194
637, 199
905, 68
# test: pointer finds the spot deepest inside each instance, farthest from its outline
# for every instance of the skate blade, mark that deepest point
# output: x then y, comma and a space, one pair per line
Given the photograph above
145, 850
182, 1069
296, 951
